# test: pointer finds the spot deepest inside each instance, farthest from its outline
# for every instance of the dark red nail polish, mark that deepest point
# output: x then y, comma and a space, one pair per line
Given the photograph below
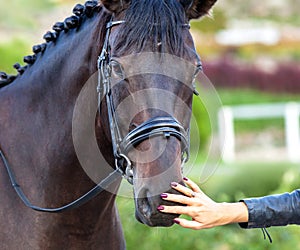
163, 195
176, 221
185, 179
174, 184
159, 208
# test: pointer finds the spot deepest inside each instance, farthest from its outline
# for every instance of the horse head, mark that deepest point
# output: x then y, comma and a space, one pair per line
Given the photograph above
146, 70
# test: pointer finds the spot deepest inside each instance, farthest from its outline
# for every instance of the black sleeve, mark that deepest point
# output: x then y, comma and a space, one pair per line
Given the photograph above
273, 210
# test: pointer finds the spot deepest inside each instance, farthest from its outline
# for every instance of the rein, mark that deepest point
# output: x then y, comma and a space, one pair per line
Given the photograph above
159, 126
112, 177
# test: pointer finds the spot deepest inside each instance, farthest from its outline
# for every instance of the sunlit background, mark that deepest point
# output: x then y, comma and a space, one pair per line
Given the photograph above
251, 54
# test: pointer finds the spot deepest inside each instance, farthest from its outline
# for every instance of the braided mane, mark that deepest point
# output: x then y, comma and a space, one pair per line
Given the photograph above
73, 22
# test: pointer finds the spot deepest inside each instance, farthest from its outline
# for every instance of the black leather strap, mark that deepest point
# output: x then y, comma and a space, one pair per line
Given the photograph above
111, 178
158, 126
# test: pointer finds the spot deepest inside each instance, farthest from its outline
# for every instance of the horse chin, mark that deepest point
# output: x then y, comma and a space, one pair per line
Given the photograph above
146, 212
157, 220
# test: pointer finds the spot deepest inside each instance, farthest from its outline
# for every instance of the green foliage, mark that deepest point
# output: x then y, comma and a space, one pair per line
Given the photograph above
290, 180
12, 52
16, 16
250, 96
202, 126
22, 14
210, 24
238, 181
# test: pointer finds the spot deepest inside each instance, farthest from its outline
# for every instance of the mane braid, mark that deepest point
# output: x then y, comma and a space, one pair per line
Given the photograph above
152, 22
80, 12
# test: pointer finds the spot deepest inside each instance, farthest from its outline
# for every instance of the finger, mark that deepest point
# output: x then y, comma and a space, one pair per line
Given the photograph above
175, 210
178, 198
192, 185
185, 190
189, 224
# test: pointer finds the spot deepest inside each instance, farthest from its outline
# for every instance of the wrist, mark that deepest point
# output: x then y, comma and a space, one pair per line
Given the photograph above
235, 212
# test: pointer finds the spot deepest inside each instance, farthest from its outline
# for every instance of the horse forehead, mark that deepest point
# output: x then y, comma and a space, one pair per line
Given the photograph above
159, 64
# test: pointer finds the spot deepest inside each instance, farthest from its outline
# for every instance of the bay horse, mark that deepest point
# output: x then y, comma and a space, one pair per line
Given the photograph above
127, 51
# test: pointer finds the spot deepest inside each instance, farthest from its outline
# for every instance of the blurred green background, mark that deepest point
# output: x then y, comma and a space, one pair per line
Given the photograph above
243, 72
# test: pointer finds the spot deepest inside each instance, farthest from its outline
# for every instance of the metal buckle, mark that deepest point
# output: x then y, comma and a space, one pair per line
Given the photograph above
126, 169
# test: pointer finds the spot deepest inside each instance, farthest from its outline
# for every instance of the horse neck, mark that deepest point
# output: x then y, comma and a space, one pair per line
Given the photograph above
36, 114
37, 108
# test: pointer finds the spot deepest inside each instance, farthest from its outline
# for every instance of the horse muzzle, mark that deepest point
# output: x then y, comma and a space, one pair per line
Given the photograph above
147, 213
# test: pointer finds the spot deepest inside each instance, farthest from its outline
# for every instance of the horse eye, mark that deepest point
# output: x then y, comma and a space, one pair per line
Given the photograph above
117, 70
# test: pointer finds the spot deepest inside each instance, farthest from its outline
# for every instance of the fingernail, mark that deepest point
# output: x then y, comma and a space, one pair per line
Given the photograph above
163, 195
176, 221
185, 179
174, 184
159, 208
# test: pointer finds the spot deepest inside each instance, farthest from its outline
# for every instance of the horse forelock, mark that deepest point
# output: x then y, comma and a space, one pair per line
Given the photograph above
81, 14
149, 23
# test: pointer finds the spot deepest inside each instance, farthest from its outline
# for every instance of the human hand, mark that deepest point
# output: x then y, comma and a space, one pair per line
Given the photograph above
205, 212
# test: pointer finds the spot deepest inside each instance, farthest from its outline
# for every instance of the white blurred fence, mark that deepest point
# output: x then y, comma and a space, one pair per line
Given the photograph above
290, 112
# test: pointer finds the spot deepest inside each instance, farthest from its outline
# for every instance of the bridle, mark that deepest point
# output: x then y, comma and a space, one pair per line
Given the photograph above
165, 126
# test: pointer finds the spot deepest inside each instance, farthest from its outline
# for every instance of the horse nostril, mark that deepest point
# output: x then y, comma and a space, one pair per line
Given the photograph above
146, 208
144, 203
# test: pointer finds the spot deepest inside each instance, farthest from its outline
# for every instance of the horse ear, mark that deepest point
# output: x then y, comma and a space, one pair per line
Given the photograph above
115, 6
197, 8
